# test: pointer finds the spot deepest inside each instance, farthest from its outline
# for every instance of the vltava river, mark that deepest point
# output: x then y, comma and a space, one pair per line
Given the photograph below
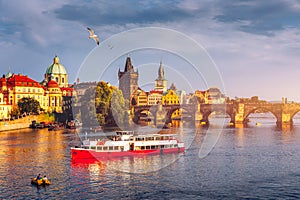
255, 162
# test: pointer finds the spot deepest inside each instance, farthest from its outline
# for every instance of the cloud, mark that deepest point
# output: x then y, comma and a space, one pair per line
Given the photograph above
260, 17
125, 12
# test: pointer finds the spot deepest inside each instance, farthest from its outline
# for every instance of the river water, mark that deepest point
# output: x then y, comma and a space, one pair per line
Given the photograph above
256, 162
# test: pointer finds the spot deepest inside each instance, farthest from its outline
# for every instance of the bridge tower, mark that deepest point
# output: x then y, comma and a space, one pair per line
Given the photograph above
128, 80
161, 82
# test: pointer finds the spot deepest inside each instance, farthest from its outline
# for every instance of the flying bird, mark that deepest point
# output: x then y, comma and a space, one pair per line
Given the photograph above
93, 35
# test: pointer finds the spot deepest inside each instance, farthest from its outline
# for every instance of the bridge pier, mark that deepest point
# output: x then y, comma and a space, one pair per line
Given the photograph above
198, 115
239, 119
284, 120
160, 116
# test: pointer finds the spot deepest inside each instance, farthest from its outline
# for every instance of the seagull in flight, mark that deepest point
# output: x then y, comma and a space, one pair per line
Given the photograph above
92, 35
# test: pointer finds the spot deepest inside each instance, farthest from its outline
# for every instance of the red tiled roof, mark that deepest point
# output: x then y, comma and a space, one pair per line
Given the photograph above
156, 91
52, 84
67, 89
20, 80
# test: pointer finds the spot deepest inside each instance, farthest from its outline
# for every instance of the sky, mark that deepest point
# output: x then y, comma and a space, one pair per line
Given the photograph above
255, 45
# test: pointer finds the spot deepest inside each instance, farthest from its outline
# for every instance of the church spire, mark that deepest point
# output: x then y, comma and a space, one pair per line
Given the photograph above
128, 65
161, 73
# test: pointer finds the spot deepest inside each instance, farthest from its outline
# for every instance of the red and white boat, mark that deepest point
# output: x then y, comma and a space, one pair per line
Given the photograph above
126, 143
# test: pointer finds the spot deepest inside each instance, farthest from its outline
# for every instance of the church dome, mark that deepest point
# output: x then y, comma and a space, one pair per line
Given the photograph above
56, 67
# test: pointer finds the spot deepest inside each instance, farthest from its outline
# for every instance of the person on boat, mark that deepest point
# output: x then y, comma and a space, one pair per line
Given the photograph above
38, 177
45, 178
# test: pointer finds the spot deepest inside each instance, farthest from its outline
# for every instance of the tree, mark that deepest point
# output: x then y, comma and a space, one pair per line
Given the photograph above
103, 105
29, 105
15, 112
117, 109
87, 108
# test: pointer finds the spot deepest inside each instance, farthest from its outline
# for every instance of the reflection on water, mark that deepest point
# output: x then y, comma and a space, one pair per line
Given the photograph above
259, 162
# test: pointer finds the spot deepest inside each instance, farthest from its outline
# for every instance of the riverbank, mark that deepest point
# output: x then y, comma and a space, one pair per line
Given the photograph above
24, 122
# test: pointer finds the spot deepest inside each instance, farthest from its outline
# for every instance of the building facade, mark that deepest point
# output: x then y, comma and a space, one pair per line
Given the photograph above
50, 93
128, 81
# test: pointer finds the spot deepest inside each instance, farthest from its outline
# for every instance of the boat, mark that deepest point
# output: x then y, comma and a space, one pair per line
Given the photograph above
127, 143
34, 181
55, 127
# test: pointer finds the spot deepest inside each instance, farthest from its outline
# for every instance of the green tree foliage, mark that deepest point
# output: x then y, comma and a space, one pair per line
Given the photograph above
103, 105
29, 105
87, 108
15, 112
102, 102
117, 108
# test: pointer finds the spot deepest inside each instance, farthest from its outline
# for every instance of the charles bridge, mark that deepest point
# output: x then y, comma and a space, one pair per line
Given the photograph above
238, 112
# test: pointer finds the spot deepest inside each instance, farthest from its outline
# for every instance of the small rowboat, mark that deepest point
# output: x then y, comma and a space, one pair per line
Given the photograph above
34, 181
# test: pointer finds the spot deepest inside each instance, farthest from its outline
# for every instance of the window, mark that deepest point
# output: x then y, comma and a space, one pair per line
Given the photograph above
56, 79
63, 80
99, 148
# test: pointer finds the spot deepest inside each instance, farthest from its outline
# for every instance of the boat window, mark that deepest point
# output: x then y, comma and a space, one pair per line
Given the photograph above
152, 147
162, 146
147, 147
104, 148
157, 138
137, 148
93, 147
175, 145
142, 147
111, 148
116, 147
99, 148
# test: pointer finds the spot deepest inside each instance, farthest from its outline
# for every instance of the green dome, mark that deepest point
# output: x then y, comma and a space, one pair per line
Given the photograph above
56, 67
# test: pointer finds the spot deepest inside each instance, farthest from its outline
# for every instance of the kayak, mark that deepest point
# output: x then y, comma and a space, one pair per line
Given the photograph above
40, 182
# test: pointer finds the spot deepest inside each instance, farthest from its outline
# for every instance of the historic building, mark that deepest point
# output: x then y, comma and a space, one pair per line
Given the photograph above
155, 95
140, 98
53, 94
161, 82
57, 72
128, 81
211, 96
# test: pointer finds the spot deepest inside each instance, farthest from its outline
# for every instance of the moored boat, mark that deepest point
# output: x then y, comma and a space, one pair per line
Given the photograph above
126, 143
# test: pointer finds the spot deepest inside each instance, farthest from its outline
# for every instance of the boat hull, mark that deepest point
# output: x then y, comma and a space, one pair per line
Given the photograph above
88, 154
34, 181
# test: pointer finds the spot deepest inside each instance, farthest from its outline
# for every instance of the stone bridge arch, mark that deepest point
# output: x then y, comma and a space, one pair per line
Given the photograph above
208, 109
138, 112
294, 113
252, 110
178, 107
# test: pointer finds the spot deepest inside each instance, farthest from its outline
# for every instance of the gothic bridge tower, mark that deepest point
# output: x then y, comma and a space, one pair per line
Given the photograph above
161, 82
128, 80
